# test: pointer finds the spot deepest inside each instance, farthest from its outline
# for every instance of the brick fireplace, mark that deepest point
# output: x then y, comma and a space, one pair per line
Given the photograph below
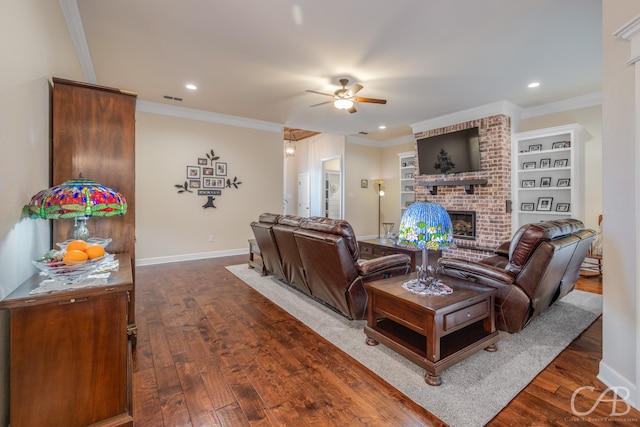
489, 201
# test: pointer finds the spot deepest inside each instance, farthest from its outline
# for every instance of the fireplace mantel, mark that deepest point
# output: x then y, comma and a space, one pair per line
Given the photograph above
468, 184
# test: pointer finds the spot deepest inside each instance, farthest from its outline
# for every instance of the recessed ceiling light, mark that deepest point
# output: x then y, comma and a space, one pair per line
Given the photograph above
191, 86
533, 84
382, 127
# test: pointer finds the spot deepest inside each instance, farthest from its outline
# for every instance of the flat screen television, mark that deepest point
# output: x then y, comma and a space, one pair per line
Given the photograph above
453, 152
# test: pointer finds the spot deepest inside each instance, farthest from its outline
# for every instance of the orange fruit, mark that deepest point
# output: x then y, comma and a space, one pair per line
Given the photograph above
94, 251
75, 256
80, 245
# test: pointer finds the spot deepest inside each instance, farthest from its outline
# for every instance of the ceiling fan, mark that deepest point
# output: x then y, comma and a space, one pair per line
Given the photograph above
344, 99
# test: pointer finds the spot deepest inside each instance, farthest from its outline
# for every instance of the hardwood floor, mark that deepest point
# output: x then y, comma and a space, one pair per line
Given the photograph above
212, 351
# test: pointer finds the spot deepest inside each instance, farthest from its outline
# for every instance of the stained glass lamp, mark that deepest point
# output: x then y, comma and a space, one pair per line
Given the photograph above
79, 199
426, 226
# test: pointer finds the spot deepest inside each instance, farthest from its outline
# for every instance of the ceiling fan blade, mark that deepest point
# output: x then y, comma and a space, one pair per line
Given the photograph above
321, 103
319, 93
372, 100
352, 109
355, 89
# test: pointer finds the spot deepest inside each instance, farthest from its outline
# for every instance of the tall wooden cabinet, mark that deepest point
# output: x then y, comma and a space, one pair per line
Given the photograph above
94, 137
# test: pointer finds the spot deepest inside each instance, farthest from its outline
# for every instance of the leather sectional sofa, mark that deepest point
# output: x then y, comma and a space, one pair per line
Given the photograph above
539, 266
320, 257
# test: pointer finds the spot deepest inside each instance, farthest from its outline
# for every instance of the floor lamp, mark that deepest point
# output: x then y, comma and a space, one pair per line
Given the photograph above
379, 183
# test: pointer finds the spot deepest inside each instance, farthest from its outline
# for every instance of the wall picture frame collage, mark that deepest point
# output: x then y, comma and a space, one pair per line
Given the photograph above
208, 177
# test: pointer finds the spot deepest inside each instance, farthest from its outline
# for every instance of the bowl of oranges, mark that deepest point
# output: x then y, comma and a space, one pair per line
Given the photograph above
75, 260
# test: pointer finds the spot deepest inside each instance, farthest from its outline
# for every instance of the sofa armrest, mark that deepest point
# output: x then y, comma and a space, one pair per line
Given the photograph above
474, 271
503, 249
371, 266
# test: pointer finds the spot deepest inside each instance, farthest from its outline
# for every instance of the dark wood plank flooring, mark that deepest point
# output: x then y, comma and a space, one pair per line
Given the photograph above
211, 351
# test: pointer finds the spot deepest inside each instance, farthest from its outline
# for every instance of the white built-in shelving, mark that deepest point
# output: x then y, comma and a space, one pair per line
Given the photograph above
547, 180
407, 163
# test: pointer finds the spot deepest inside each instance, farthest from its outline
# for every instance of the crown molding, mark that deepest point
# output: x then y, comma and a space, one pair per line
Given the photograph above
630, 31
380, 144
76, 31
565, 105
205, 116
496, 108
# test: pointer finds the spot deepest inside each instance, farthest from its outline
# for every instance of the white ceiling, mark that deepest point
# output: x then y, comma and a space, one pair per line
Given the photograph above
255, 58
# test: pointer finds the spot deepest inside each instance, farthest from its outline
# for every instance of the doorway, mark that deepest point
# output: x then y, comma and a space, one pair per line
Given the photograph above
332, 188
303, 195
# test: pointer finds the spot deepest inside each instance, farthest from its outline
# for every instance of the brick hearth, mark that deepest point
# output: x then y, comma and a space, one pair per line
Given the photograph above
493, 222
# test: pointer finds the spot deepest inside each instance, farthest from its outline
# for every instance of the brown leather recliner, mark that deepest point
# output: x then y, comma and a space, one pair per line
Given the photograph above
541, 265
292, 268
335, 273
263, 232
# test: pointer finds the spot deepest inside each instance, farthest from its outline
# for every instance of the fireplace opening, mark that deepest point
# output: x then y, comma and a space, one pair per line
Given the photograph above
464, 224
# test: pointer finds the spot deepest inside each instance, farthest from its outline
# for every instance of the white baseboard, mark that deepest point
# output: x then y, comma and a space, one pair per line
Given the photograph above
611, 378
190, 257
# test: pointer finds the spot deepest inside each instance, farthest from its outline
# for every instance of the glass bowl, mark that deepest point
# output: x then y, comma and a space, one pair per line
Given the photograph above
68, 271
102, 241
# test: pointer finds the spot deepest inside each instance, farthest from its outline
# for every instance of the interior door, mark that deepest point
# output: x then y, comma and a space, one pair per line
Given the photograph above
332, 188
303, 195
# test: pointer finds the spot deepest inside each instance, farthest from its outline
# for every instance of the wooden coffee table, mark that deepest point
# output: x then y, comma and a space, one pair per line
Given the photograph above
434, 332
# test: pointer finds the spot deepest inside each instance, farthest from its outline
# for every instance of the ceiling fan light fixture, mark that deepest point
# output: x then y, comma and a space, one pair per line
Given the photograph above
343, 104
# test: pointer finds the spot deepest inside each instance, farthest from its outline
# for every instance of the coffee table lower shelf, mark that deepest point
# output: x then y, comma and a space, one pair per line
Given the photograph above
454, 347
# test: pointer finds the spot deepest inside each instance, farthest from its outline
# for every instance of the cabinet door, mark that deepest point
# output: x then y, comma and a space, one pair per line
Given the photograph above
69, 362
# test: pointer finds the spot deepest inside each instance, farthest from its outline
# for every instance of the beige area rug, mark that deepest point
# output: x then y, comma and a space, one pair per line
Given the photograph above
473, 391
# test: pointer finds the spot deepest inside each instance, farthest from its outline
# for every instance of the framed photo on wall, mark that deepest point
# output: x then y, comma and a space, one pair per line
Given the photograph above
526, 207
562, 207
545, 181
535, 147
544, 203
563, 182
528, 183
529, 165
560, 163
545, 163
221, 169
193, 172
364, 183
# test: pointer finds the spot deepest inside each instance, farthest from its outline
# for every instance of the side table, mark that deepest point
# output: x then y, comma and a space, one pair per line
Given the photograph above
255, 258
375, 248
434, 332
70, 357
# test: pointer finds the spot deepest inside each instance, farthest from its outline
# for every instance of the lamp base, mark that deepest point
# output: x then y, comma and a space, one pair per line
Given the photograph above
81, 232
426, 283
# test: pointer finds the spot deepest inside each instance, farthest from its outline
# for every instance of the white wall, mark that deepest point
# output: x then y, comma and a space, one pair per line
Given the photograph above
621, 192
172, 226
34, 46
361, 204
